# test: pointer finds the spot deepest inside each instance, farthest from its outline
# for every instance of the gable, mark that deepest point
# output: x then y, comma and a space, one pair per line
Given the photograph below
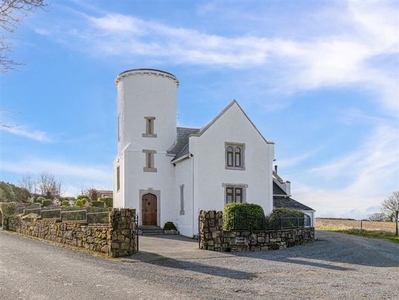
234, 114
232, 118
277, 190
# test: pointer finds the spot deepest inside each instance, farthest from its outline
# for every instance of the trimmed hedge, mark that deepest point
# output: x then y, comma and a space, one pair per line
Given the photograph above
285, 218
85, 197
109, 201
40, 199
97, 203
47, 202
243, 216
79, 203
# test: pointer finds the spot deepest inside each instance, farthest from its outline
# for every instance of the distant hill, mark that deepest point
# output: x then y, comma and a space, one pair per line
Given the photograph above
12, 193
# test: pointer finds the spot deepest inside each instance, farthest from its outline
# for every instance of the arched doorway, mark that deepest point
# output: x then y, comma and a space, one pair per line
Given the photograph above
149, 210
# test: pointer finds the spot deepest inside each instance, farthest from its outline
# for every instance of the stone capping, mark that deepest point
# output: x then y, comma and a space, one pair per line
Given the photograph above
115, 239
150, 72
212, 237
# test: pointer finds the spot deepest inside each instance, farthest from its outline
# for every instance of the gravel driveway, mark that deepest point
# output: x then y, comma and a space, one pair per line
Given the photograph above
336, 266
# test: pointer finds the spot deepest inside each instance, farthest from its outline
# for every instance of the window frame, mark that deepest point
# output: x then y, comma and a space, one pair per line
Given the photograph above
235, 156
234, 191
181, 189
118, 178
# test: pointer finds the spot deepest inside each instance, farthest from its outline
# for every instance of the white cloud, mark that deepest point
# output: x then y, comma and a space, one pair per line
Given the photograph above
369, 172
36, 135
337, 59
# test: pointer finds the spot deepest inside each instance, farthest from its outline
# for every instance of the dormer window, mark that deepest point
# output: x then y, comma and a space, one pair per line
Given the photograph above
149, 127
235, 156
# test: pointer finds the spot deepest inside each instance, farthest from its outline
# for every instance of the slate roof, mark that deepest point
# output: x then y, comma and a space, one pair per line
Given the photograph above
283, 202
180, 147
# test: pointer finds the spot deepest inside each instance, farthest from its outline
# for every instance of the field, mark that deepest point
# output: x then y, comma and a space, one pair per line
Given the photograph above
344, 224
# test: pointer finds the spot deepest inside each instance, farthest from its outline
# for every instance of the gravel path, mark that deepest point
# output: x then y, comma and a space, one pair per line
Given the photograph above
336, 266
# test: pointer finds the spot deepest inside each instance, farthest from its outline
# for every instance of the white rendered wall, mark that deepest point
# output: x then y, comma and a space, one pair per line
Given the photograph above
209, 166
146, 93
184, 175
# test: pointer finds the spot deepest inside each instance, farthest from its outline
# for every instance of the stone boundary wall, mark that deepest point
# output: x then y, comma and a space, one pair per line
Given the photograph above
212, 237
355, 224
115, 239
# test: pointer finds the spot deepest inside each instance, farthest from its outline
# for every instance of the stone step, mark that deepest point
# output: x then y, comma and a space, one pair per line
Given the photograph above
146, 230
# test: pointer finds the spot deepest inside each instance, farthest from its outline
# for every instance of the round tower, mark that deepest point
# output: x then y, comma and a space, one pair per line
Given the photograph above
146, 109
143, 173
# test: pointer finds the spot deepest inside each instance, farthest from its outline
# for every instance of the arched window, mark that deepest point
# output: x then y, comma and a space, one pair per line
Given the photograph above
235, 156
230, 155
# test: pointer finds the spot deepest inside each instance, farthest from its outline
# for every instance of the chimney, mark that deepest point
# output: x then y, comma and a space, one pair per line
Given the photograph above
275, 169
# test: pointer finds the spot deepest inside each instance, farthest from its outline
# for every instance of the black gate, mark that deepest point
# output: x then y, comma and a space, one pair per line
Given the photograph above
137, 232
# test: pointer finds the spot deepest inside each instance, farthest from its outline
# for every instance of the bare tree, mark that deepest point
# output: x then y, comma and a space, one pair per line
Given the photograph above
391, 205
378, 217
29, 183
12, 12
49, 185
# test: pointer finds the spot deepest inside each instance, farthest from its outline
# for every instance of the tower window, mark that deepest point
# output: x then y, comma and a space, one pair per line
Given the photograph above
149, 161
149, 127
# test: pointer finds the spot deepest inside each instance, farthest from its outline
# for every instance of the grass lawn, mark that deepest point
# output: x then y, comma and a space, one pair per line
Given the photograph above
375, 234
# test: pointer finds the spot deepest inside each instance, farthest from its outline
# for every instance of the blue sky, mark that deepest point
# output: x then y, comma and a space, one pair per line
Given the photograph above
318, 78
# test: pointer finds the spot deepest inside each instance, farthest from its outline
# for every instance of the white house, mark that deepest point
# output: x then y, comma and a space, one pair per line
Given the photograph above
170, 173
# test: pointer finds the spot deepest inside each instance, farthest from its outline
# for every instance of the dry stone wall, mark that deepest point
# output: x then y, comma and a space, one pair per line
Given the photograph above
212, 237
114, 239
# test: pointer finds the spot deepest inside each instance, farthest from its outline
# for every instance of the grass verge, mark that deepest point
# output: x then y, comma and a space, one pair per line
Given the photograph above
375, 234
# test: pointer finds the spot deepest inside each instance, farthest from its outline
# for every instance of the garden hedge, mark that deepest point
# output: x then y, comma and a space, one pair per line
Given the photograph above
243, 216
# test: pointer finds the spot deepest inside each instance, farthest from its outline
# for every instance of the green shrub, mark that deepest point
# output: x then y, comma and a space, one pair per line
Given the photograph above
8, 208
40, 199
47, 202
109, 201
65, 203
97, 203
169, 226
79, 203
243, 216
285, 218
85, 197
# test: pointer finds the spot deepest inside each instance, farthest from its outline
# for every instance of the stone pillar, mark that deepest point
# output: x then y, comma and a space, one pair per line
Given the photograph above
123, 232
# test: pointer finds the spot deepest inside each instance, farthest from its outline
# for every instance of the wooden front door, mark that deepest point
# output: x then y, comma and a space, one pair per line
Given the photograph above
149, 210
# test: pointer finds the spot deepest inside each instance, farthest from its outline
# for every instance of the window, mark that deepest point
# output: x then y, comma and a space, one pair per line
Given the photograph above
235, 193
235, 156
118, 178
149, 127
182, 199
119, 129
149, 161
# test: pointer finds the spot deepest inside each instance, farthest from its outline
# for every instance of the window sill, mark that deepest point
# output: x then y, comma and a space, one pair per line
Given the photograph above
149, 169
149, 135
235, 168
